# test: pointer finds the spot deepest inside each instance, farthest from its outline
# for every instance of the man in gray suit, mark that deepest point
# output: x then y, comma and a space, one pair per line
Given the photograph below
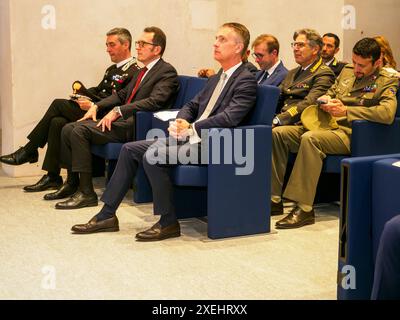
152, 88
224, 102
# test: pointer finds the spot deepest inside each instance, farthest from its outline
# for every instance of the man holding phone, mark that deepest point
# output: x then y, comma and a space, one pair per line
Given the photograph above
63, 111
363, 91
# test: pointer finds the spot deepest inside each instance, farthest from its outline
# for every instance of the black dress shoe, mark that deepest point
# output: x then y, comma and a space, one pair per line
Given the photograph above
156, 232
296, 219
108, 225
45, 183
65, 191
276, 208
20, 157
78, 200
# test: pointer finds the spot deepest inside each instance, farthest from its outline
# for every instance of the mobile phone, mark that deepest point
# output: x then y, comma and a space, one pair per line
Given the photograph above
322, 101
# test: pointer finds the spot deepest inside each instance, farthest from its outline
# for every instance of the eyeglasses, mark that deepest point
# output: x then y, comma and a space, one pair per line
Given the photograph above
141, 43
257, 55
298, 45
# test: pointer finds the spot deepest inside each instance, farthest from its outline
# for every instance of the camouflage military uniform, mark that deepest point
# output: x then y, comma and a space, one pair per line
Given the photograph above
371, 98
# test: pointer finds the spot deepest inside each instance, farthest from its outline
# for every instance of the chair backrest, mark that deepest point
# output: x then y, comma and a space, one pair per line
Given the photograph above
183, 81
266, 103
188, 88
194, 86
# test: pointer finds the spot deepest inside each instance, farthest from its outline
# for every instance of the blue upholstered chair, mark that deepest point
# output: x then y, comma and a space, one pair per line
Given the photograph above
235, 205
369, 198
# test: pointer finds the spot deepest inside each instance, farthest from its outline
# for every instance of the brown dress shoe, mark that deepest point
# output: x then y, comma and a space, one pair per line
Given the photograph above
276, 208
108, 225
296, 219
156, 232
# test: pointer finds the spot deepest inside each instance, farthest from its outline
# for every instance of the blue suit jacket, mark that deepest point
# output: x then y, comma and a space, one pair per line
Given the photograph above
276, 77
236, 99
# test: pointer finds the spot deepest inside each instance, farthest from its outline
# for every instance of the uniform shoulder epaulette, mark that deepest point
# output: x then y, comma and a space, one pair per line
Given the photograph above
390, 73
127, 65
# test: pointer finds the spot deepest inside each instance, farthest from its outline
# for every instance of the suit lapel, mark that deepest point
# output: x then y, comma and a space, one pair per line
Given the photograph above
226, 88
306, 73
148, 76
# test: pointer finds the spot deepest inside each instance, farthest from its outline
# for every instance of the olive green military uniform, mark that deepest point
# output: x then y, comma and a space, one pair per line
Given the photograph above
336, 66
302, 88
371, 98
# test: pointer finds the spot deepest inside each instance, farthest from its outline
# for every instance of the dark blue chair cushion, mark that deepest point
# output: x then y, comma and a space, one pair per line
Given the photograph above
189, 175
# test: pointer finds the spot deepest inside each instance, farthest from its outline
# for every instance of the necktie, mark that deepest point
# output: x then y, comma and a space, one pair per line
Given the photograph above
139, 79
263, 77
214, 97
298, 73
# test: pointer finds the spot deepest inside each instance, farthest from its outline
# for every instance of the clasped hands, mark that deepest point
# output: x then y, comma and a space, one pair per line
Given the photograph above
179, 129
334, 107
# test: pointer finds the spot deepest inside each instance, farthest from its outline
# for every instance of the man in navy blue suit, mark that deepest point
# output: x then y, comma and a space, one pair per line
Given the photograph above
224, 102
266, 54
387, 266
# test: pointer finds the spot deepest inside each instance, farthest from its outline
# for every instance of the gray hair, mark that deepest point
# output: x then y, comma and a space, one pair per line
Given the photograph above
123, 35
313, 37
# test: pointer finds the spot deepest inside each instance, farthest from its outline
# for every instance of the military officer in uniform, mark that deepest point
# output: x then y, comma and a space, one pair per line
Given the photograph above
331, 43
363, 91
304, 84
63, 111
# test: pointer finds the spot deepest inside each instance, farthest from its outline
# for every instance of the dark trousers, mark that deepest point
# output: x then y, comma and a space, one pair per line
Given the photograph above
148, 153
387, 266
48, 130
77, 137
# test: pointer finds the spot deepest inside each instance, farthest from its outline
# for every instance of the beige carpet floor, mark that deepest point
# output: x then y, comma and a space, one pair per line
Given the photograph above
41, 259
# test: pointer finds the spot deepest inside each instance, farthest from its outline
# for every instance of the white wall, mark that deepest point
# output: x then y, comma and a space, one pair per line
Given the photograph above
40, 64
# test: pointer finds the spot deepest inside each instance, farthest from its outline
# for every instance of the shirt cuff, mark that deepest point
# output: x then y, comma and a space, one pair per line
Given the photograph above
193, 136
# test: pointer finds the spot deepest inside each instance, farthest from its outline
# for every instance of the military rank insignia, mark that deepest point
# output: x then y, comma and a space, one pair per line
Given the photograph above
302, 86
392, 92
371, 88
120, 78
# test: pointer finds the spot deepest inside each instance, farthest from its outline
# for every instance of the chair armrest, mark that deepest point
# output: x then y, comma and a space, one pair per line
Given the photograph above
370, 138
240, 182
143, 124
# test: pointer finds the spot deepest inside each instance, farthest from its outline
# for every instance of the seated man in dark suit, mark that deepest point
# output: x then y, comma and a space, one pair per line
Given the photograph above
266, 54
152, 88
330, 47
387, 265
62, 111
224, 102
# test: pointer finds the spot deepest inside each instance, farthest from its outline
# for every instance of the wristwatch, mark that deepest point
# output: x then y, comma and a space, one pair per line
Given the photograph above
117, 110
276, 121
